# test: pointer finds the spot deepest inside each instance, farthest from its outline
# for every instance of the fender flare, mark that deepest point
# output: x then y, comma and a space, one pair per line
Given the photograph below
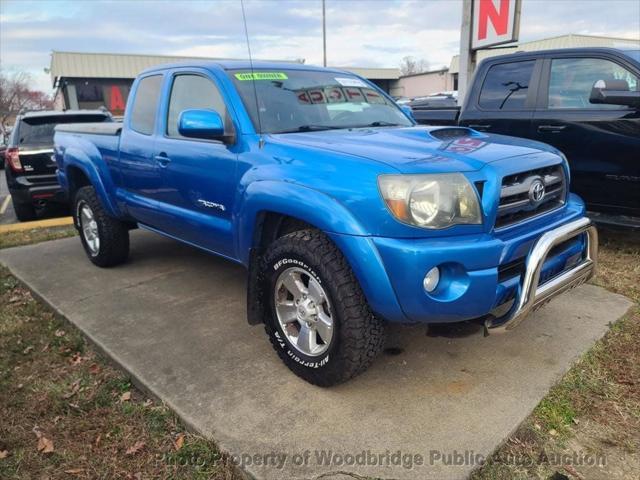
328, 215
98, 175
292, 199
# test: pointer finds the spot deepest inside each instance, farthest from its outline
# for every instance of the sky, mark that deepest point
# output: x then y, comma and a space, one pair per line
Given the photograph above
363, 33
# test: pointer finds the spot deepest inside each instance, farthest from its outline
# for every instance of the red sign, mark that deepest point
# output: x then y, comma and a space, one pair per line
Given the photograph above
495, 22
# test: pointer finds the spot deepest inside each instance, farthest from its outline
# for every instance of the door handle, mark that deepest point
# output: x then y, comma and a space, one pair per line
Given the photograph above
162, 160
479, 127
551, 128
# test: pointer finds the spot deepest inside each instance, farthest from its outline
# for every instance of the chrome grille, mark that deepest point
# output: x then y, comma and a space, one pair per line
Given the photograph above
519, 195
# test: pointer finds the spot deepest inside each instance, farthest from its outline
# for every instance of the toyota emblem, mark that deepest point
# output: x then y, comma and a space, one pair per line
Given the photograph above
536, 191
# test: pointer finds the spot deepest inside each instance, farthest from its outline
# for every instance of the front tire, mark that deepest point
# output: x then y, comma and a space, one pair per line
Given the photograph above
104, 238
319, 323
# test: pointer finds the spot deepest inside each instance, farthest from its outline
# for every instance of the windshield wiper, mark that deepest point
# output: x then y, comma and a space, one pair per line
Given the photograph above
381, 123
311, 128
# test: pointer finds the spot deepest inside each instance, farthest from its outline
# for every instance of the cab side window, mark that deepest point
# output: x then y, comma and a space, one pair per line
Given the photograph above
506, 86
193, 92
145, 104
572, 79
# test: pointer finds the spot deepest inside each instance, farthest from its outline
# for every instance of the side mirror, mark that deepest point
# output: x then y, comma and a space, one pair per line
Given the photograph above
201, 124
614, 92
408, 111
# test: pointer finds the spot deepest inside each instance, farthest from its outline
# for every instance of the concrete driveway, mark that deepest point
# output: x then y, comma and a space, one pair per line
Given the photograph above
175, 319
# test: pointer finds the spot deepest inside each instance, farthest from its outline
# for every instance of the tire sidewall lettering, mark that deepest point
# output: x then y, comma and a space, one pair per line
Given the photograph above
321, 362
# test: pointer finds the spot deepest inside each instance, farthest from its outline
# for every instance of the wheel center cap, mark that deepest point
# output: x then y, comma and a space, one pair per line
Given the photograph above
307, 310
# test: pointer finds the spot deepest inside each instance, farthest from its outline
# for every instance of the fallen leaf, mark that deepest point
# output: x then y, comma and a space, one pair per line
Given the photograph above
135, 448
573, 472
94, 369
4, 454
125, 397
14, 299
179, 441
76, 359
74, 471
60, 333
57, 419
27, 350
148, 402
553, 432
75, 386
45, 445
97, 440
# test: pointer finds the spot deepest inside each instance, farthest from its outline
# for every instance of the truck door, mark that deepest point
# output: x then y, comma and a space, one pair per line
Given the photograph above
140, 171
501, 100
198, 174
601, 142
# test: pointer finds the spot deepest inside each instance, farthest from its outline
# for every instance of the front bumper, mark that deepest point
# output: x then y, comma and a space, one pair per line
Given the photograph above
482, 275
531, 292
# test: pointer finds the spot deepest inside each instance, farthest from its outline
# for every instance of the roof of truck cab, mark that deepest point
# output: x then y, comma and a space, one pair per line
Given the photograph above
242, 65
558, 51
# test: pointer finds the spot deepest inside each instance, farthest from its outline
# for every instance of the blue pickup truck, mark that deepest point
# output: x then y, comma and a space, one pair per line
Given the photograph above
346, 214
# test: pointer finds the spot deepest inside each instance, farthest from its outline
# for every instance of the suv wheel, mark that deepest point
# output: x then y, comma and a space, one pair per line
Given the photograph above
25, 212
104, 238
320, 323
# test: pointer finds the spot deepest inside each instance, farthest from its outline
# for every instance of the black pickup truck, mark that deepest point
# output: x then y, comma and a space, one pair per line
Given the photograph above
583, 101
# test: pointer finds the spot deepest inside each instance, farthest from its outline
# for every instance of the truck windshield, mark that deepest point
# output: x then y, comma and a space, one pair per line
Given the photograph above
309, 100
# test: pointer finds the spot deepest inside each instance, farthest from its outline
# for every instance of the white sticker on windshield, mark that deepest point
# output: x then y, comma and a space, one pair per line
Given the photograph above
350, 82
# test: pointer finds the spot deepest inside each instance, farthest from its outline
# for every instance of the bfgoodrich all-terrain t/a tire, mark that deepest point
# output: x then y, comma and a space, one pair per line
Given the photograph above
104, 238
319, 323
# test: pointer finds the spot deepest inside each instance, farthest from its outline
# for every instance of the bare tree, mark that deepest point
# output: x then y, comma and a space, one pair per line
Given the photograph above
410, 65
16, 95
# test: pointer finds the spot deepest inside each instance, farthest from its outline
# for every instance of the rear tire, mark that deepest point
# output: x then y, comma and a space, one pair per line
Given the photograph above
303, 266
105, 239
25, 212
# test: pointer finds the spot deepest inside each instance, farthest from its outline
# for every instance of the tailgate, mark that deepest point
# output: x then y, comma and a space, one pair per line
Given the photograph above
37, 161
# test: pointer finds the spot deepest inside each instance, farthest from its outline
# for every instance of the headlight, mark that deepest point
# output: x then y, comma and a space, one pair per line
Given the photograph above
431, 201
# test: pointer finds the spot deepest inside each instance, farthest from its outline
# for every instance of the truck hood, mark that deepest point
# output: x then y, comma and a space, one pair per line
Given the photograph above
419, 149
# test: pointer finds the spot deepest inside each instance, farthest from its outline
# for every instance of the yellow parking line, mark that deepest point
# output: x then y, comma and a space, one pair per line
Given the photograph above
5, 204
50, 222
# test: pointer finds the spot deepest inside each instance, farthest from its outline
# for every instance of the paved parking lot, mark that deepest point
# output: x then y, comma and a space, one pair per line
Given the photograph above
175, 319
7, 214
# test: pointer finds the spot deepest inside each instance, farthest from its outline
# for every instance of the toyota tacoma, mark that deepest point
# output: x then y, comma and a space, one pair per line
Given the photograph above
346, 214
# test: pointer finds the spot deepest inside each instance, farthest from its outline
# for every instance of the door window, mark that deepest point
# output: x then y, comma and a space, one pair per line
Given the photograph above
193, 92
506, 86
145, 105
572, 79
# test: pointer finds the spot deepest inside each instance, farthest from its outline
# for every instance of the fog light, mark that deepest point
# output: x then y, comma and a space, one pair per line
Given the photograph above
431, 279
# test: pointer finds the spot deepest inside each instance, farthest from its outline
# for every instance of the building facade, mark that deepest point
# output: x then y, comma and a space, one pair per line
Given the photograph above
94, 80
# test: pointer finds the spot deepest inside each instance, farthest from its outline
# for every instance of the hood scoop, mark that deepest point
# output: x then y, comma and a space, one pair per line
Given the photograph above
451, 133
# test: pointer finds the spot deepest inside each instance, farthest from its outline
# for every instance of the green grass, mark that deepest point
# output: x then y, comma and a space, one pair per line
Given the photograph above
42, 358
36, 235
